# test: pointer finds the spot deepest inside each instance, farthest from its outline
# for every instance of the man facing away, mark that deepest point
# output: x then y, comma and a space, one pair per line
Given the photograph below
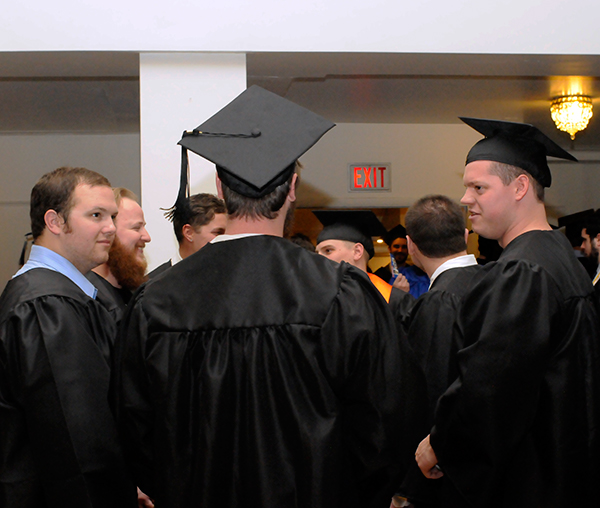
519, 426
125, 269
58, 440
255, 373
196, 221
437, 243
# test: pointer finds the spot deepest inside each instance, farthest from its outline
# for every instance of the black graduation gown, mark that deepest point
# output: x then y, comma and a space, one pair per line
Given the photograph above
431, 330
431, 334
519, 427
58, 440
257, 374
114, 299
401, 304
160, 269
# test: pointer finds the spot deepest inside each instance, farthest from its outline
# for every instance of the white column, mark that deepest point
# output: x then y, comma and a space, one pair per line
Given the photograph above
178, 91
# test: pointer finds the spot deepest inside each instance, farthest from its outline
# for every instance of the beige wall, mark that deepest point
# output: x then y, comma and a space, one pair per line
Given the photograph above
27, 157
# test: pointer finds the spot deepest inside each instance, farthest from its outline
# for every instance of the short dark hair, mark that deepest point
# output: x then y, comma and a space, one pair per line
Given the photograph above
592, 226
266, 207
200, 209
436, 224
54, 191
508, 173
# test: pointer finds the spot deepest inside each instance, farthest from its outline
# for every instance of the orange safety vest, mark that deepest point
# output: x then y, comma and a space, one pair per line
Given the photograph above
384, 288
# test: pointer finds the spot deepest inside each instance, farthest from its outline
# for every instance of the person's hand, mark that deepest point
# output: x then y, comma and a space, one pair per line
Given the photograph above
143, 500
426, 459
399, 502
401, 283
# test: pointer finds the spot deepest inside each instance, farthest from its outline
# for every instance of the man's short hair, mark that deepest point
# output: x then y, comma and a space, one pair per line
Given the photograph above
266, 207
54, 191
436, 224
122, 192
592, 226
508, 173
200, 209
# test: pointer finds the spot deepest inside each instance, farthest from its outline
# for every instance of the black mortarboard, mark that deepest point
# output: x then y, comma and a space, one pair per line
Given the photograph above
398, 231
576, 219
254, 141
356, 226
574, 223
518, 144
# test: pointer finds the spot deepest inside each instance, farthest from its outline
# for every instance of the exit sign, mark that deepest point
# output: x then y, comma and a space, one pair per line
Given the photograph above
370, 177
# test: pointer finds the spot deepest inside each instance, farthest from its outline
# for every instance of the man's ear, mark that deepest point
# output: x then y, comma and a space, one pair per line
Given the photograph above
412, 247
292, 193
54, 222
188, 232
358, 251
522, 185
219, 188
466, 236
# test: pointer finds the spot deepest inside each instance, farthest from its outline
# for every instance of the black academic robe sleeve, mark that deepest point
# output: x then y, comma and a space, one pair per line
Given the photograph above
58, 445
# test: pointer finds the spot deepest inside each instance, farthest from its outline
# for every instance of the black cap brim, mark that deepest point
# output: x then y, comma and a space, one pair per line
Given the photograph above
357, 226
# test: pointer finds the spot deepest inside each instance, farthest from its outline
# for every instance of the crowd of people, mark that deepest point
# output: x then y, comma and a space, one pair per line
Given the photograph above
251, 370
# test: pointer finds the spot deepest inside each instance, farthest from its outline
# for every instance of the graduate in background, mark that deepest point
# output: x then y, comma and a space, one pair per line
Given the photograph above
399, 272
196, 221
519, 427
347, 236
58, 439
255, 373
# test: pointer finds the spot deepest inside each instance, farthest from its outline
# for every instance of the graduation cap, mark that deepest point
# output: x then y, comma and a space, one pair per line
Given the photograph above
254, 141
518, 144
574, 223
356, 226
398, 231
576, 219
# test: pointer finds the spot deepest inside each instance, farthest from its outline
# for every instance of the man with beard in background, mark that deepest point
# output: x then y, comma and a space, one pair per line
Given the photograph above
125, 269
399, 273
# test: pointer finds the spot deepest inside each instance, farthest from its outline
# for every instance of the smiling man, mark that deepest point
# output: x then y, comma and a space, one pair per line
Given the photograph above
519, 425
58, 441
125, 269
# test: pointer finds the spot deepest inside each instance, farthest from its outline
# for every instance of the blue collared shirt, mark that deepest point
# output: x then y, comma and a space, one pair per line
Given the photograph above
41, 257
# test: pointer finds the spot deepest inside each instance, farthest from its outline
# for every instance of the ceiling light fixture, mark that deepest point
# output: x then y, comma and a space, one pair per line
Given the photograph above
571, 113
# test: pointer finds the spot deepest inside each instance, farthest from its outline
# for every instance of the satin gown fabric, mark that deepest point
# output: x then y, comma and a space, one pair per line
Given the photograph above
519, 427
58, 439
255, 373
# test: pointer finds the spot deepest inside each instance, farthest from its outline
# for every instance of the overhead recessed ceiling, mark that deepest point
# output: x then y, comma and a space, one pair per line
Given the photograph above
99, 91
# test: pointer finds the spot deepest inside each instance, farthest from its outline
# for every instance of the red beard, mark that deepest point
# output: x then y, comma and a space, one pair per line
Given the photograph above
124, 264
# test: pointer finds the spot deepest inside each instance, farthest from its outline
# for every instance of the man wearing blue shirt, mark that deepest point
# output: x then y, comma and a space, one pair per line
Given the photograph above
58, 442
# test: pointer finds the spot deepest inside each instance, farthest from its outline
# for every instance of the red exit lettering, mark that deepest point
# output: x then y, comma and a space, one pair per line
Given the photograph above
369, 177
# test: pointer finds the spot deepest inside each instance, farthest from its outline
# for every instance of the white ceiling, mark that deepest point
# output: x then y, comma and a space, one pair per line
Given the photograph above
99, 91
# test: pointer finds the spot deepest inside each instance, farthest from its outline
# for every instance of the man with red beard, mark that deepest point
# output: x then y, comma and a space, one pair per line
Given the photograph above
125, 269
